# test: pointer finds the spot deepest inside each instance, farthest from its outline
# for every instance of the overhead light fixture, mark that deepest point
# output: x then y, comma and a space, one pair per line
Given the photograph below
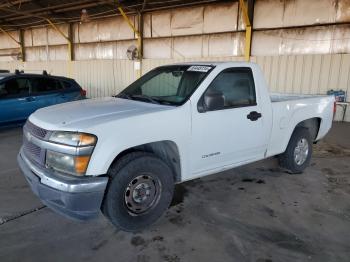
84, 18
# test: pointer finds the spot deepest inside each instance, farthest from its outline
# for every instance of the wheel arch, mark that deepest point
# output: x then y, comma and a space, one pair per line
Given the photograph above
166, 150
312, 124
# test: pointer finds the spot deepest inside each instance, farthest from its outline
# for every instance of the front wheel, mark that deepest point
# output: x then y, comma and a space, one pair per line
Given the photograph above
139, 192
298, 153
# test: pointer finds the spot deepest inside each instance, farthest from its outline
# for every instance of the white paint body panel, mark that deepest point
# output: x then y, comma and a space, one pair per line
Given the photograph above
120, 124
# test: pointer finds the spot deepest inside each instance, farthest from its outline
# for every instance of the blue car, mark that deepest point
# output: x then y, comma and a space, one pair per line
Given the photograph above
21, 94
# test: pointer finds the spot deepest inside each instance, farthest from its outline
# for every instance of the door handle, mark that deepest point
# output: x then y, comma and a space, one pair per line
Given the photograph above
253, 116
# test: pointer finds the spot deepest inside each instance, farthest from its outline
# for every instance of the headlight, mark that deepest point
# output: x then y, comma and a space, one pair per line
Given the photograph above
74, 165
71, 162
73, 138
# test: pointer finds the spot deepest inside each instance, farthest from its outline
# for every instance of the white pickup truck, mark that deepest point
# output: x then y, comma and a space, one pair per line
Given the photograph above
123, 154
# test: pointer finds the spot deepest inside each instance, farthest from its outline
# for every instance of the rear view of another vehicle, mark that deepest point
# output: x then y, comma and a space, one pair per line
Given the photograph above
23, 94
71, 91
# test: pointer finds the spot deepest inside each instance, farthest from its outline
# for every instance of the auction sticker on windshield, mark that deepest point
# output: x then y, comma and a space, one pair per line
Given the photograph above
199, 68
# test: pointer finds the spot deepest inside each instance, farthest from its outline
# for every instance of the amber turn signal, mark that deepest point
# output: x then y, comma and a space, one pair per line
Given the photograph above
86, 140
81, 164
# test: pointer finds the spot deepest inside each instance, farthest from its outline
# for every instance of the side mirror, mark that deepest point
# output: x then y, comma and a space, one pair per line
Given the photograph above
214, 100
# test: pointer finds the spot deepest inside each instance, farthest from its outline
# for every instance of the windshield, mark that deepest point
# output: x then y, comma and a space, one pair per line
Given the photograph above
171, 85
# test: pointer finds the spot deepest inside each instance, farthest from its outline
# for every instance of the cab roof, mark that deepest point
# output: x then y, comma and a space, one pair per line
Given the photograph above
216, 63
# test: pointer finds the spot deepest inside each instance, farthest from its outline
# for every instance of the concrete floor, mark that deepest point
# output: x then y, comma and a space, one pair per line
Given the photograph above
253, 213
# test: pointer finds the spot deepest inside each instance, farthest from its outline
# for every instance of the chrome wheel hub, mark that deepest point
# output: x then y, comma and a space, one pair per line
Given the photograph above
301, 151
142, 193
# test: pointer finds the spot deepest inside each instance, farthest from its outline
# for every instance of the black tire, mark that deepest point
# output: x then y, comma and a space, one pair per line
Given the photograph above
287, 159
120, 205
114, 170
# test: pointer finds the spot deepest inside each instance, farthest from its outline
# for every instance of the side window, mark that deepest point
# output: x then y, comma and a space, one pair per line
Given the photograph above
237, 86
59, 85
43, 85
3, 91
67, 85
16, 87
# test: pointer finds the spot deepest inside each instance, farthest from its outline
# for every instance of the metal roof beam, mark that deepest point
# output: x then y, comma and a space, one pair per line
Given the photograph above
56, 8
13, 3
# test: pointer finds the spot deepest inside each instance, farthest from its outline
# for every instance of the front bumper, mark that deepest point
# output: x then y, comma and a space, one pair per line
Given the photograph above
75, 197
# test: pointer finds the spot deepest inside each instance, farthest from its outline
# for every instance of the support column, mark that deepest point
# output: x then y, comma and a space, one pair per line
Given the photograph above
69, 41
250, 4
140, 41
137, 33
22, 47
248, 13
71, 53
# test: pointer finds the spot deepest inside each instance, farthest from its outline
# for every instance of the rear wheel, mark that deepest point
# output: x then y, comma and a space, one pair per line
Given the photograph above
298, 153
139, 192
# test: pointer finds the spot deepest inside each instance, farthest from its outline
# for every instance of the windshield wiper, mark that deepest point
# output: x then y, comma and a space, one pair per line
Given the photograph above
143, 98
163, 102
123, 95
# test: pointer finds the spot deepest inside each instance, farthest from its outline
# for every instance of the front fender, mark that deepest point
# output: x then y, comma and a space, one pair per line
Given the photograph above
116, 137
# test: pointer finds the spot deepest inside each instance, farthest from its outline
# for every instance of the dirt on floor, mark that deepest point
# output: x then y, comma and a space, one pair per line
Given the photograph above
257, 212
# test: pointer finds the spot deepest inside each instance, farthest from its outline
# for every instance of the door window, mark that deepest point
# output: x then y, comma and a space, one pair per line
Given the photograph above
237, 87
67, 85
3, 91
43, 85
13, 88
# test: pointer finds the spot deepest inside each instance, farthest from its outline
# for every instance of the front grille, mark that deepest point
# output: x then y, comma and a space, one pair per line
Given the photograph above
31, 150
35, 130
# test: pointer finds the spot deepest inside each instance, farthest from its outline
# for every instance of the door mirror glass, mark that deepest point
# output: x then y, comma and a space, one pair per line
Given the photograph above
214, 100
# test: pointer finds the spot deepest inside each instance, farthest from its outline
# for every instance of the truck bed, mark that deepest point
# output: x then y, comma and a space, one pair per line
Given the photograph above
290, 109
280, 97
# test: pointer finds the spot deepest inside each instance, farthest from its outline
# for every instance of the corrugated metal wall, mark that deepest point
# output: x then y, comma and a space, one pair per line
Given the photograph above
302, 46
280, 27
300, 74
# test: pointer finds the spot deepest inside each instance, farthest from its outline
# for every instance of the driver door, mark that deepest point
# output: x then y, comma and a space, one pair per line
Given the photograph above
228, 137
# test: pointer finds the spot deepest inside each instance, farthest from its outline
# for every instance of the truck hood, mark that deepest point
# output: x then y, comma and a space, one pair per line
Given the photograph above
74, 115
